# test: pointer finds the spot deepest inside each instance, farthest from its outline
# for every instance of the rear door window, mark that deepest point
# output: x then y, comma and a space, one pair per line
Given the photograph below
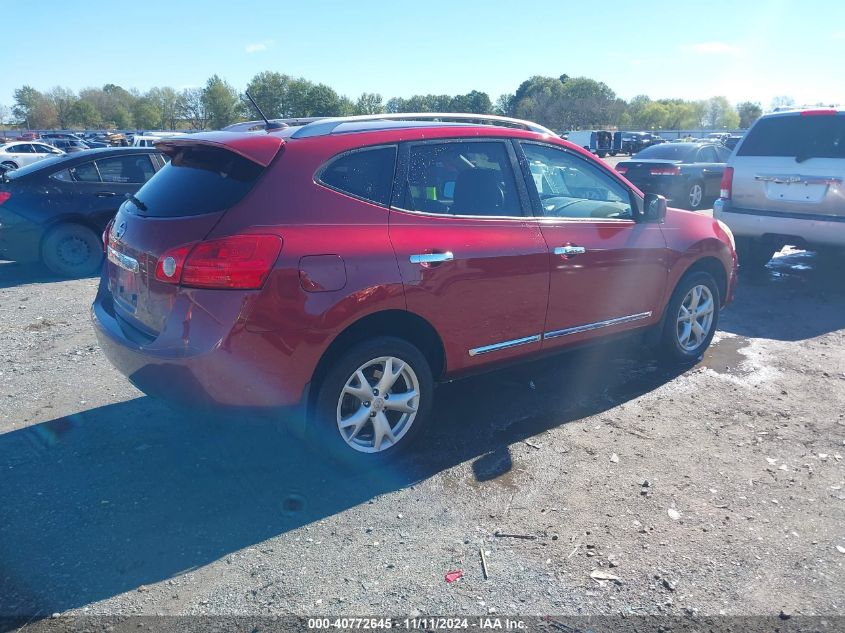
86, 172
136, 168
461, 178
366, 174
707, 155
196, 181
821, 136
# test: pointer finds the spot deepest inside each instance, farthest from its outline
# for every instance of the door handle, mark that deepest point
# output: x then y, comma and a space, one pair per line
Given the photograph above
105, 194
432, 258
569, 249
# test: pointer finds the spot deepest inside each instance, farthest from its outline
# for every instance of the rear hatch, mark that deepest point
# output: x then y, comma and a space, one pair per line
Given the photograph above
792, 163
206, 177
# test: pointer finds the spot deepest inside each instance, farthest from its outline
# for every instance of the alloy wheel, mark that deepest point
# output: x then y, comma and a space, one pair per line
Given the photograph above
378, 404
695, 317
696, 193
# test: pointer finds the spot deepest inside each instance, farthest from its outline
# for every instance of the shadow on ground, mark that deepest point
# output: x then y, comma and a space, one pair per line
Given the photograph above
100, 502
799, 295
17, 274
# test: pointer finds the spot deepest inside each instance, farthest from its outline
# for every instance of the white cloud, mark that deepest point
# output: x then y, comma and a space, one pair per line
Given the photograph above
713, 48
257, 47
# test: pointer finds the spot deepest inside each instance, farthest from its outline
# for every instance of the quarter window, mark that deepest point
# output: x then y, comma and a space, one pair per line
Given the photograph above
461, 178
569, 187
366, 174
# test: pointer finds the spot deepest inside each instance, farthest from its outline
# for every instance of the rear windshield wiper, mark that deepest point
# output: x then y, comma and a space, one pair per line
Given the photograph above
141, 206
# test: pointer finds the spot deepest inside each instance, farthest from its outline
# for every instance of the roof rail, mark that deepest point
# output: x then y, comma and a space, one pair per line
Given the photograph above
260, 125
328, 125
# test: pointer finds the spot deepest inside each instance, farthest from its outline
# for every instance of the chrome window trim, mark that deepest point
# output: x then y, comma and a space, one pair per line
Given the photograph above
522, 218
495, 347
597, 325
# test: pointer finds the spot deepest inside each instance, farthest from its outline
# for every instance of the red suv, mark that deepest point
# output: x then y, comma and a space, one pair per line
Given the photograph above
345, 266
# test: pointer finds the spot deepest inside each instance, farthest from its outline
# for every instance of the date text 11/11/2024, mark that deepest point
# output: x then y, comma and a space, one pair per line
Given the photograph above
417, 623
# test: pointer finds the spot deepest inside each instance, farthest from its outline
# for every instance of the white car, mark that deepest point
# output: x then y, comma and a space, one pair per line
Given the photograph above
784, 184
14, 155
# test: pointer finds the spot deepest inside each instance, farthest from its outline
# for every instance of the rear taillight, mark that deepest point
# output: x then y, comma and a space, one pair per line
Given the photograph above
239, 261
622, 169
106, 235
665, 171
5, 195
726, 188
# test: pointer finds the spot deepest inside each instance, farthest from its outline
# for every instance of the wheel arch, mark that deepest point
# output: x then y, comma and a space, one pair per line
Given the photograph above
713, 266
58, 221
399, 323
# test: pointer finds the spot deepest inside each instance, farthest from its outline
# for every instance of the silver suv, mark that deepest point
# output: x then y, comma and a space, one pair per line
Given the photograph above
784, 185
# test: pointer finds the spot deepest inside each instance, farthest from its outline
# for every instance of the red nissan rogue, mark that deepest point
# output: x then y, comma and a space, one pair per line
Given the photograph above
344, 266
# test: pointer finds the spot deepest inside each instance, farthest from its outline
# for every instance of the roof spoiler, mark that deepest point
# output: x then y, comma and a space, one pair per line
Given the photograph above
260, 149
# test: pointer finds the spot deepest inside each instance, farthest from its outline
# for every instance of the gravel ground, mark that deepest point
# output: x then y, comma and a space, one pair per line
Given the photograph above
595, 483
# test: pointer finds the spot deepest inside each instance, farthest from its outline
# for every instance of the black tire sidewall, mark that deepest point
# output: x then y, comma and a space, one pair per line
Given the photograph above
322, 432
51, 242
670, 347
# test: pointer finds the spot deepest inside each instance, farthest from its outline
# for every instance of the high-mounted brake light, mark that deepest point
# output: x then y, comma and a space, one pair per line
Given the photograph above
665, 171
824, 112
236, 262
5, 195
726, 188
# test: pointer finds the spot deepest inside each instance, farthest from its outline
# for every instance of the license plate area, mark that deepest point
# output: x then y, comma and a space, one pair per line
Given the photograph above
123, 280
796, 191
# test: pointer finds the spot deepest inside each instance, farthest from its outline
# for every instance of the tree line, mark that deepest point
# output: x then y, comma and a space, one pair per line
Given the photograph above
560, 103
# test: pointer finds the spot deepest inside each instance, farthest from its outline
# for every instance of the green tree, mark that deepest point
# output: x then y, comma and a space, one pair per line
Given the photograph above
146, 113
369, 103
504, 105
718, 113
221, 102
34, 109
748, 113
63, 101
190, 106
83, 114
271, 92
474, 102
122, 117
166, 101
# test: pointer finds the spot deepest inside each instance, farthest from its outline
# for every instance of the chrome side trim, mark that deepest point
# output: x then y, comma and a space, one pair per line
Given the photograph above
495, 347
597, 325
124, 261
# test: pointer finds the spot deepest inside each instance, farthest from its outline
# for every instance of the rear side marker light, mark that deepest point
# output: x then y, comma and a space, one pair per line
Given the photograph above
106, 233
4, 195
726, 188
236, 262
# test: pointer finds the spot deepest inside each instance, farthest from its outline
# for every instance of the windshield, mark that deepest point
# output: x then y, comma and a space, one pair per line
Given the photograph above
665, 151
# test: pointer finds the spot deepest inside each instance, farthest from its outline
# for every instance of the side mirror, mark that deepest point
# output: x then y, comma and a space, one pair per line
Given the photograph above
654, 208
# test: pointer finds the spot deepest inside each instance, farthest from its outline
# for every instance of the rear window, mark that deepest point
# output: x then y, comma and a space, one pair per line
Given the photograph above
667, 151
821, 136
196, 181
366, 174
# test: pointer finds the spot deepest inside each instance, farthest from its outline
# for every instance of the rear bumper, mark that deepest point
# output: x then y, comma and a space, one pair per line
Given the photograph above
199, 361
804, 230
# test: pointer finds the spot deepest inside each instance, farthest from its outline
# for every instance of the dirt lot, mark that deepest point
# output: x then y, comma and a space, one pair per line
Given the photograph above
718, 490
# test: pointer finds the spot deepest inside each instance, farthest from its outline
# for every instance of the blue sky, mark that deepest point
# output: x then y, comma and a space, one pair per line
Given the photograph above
743, 49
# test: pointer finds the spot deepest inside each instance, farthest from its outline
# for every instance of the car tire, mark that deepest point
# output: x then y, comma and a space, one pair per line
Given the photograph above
753, 255
72, 250
365, 410
695, 196
602, 154
613, 153
682, 343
